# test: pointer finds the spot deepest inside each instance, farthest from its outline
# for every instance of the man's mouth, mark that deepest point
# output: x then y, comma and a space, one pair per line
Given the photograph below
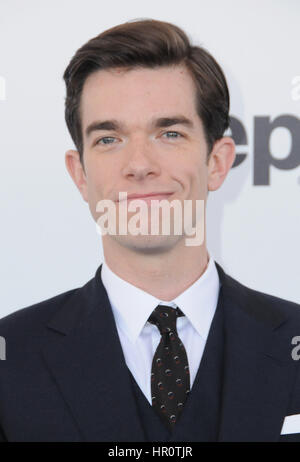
148, 197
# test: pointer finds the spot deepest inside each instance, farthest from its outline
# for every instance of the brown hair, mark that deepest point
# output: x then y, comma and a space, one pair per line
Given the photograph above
149, 43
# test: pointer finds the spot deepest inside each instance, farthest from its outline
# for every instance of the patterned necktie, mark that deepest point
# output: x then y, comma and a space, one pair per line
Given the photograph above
170, 376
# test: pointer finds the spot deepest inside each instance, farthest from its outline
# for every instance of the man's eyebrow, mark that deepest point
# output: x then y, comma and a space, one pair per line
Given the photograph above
161, 122
175, 120
102, 125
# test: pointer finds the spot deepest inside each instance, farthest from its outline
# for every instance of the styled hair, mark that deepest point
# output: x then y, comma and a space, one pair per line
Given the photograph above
151, 44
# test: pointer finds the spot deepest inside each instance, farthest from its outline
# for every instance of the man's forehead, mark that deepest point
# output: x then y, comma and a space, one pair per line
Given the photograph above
165, 83
167, 70
100, 102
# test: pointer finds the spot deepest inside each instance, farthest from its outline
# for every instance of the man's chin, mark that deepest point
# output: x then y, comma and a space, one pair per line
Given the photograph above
147, 244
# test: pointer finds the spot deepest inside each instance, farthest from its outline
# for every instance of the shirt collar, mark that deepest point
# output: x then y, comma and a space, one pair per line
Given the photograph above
132, 306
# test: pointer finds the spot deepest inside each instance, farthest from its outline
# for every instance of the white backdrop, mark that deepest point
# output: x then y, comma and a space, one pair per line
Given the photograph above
48, 240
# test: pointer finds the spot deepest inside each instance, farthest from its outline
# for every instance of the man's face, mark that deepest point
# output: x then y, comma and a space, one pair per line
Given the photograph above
143, 153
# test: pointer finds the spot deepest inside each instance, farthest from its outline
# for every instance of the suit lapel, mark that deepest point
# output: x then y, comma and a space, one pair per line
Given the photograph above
85, 357
258, 369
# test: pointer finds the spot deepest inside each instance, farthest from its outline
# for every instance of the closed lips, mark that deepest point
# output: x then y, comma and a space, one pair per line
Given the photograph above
154, 195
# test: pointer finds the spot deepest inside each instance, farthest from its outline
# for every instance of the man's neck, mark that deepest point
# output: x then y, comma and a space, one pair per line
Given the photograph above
165, 275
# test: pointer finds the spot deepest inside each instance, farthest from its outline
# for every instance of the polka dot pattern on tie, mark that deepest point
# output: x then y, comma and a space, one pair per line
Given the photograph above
170, 375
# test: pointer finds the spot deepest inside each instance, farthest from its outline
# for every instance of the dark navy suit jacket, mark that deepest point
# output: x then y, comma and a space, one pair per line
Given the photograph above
65, 376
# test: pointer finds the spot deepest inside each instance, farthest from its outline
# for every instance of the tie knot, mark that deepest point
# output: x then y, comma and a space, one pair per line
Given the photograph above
164, 317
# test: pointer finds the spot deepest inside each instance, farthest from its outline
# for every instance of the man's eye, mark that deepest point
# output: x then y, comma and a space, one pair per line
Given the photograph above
177, 135
104, 139
110, 139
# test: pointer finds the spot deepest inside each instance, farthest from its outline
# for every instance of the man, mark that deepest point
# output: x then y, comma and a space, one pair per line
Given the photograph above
161, 345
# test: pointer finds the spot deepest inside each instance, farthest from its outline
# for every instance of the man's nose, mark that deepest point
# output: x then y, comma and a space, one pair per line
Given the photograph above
141, 159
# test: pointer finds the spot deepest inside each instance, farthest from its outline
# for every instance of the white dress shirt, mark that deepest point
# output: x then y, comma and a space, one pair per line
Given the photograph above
139, 339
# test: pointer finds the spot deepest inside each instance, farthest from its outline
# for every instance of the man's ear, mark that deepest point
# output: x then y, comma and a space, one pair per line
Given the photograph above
220, 161
76, 171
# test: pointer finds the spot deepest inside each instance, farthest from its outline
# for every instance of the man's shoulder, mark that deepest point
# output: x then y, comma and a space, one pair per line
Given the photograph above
265, 307
35, 315
29, 327
263, 303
